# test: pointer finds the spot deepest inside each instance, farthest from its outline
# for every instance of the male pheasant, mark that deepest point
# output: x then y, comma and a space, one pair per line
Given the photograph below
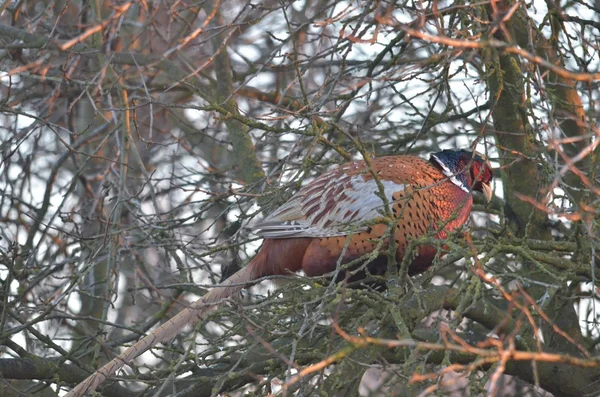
338, 218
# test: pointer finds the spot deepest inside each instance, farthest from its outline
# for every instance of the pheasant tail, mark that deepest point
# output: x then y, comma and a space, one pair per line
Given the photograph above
311, 231
167, 331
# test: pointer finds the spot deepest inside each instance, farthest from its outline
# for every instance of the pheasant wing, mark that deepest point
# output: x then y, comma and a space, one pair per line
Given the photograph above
337, 203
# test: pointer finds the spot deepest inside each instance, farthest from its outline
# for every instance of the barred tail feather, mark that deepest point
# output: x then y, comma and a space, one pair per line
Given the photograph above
188, 316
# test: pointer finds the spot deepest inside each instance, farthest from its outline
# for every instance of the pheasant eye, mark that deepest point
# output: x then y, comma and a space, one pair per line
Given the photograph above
477, 172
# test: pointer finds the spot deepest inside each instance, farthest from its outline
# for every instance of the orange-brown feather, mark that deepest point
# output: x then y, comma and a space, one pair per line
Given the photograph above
314, 240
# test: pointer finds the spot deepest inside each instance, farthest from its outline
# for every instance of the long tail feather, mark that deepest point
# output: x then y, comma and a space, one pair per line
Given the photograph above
188, 316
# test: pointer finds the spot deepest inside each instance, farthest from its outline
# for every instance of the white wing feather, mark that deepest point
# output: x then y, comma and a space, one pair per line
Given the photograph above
335, 204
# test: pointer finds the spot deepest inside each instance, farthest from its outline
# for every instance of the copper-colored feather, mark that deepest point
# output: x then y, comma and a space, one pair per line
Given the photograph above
334, 220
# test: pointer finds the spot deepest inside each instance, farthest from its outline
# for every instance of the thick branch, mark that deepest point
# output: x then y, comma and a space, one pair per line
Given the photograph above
557, 378
51, 370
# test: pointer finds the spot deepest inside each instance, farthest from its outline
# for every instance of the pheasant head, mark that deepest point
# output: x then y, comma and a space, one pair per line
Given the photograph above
470, 171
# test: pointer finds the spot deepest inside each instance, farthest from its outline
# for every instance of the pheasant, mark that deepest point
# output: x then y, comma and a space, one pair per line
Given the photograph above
345, 214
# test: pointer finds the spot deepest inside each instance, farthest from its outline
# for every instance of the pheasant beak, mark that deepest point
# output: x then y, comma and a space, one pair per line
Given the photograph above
487, 192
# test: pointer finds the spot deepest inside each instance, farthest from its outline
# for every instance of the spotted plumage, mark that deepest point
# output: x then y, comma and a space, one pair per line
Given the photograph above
339, 209
338, 218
